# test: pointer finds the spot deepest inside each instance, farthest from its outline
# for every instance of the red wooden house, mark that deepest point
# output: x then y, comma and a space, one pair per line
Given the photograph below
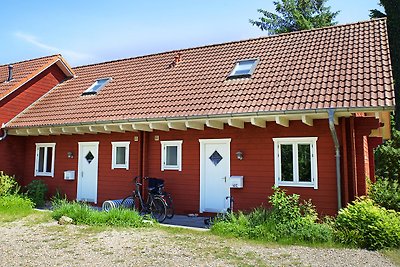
302, 111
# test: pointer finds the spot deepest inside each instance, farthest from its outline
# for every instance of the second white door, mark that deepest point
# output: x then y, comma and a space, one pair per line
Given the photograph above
214, 174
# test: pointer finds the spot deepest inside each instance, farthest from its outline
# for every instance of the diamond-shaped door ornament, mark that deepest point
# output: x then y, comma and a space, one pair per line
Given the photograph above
215, 157
89, 157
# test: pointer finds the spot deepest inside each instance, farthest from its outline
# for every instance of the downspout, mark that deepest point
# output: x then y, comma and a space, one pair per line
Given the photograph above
4, 134
331, 113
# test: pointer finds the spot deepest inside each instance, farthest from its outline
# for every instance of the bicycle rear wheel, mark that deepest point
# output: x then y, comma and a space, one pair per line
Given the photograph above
170, 207
128, 202
158, 209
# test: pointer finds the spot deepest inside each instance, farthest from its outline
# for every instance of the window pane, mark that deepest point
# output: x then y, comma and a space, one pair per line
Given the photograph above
49, 159
244, 67
304, 162
287, 162
120, 155
41, 159
171, 156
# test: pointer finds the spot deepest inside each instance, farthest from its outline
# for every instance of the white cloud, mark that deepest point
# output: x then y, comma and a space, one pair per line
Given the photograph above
72, 56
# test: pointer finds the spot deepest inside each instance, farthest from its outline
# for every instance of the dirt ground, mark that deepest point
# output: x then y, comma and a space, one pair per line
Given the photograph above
31, 243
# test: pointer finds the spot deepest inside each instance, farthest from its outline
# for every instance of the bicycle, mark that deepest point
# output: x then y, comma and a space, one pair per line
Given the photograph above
156, 186
154, 205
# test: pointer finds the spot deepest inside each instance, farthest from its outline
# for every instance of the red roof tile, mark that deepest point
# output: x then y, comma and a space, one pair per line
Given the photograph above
345, 66
22, 72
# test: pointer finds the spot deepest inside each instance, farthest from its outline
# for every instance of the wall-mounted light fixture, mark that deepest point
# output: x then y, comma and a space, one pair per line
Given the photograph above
239, 155
70, 155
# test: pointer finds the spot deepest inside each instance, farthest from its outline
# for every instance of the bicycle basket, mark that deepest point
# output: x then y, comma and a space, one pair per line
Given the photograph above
155, 185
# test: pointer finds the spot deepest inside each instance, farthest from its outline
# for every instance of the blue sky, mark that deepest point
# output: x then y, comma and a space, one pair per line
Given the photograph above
92, 31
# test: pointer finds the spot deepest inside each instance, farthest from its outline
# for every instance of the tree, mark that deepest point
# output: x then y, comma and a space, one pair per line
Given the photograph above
392, 10
295, 15
387, 157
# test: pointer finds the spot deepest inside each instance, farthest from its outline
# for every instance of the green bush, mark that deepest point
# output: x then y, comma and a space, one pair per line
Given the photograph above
289, 221
8, 185
84, 214
14, 206
366, 225
387, 156
36, 191
386, 193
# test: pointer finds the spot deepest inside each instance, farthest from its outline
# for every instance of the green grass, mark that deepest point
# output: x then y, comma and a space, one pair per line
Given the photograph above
262, 226
14, 207
85, 215
393, 255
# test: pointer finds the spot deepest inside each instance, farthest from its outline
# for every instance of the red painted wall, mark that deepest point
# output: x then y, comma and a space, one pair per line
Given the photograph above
12, 148
257, 167
12, 156
29, 93
112, 184
363, 127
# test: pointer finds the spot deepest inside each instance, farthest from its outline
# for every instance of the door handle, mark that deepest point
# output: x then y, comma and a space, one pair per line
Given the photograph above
224, 178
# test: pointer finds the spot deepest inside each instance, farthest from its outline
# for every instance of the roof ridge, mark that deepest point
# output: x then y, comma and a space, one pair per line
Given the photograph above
230, 42
32, 59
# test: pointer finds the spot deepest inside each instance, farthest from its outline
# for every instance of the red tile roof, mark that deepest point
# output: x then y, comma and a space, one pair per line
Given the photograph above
22, 72
342, 67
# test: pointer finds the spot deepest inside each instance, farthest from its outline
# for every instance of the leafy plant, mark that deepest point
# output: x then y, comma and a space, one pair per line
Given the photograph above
290, 220
8, 185
58, 197
387, 156
366, 225
84, 214
36, 191
386, 193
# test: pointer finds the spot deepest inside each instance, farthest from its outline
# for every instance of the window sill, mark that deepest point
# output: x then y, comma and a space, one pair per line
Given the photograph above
307, 185
44, 174
120, 167
169, 168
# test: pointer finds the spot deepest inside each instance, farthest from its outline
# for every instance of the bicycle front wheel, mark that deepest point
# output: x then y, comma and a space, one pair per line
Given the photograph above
158, 209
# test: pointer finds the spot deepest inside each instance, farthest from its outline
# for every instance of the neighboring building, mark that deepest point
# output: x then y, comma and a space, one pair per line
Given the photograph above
275, 110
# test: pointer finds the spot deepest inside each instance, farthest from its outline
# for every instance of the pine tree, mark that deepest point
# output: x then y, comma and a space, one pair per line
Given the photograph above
295, 15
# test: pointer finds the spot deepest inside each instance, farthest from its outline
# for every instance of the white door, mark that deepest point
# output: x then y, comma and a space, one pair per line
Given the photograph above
87, 171
214, 174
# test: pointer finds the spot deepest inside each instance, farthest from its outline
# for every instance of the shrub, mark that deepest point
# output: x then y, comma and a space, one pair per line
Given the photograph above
386, 193
84, 214
14, 206
36, 191
289, 220
366, 225
58, 198
8, 185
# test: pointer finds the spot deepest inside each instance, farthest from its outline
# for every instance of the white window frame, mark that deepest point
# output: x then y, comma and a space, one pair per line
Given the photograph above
46, 146
164, 145
295, 141
114, 164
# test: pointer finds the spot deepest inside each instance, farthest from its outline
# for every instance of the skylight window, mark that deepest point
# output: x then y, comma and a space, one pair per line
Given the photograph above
96, 86
243, 68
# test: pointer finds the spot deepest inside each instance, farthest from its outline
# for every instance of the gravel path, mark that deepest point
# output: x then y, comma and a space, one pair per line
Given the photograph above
24, 243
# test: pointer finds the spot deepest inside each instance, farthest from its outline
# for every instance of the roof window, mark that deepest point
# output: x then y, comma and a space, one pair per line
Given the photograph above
243, 68
96, 86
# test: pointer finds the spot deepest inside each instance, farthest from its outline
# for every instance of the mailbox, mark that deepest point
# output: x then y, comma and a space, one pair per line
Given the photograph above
69, 175
236, 181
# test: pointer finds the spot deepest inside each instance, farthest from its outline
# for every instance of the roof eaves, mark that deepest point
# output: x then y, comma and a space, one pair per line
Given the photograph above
204, 117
